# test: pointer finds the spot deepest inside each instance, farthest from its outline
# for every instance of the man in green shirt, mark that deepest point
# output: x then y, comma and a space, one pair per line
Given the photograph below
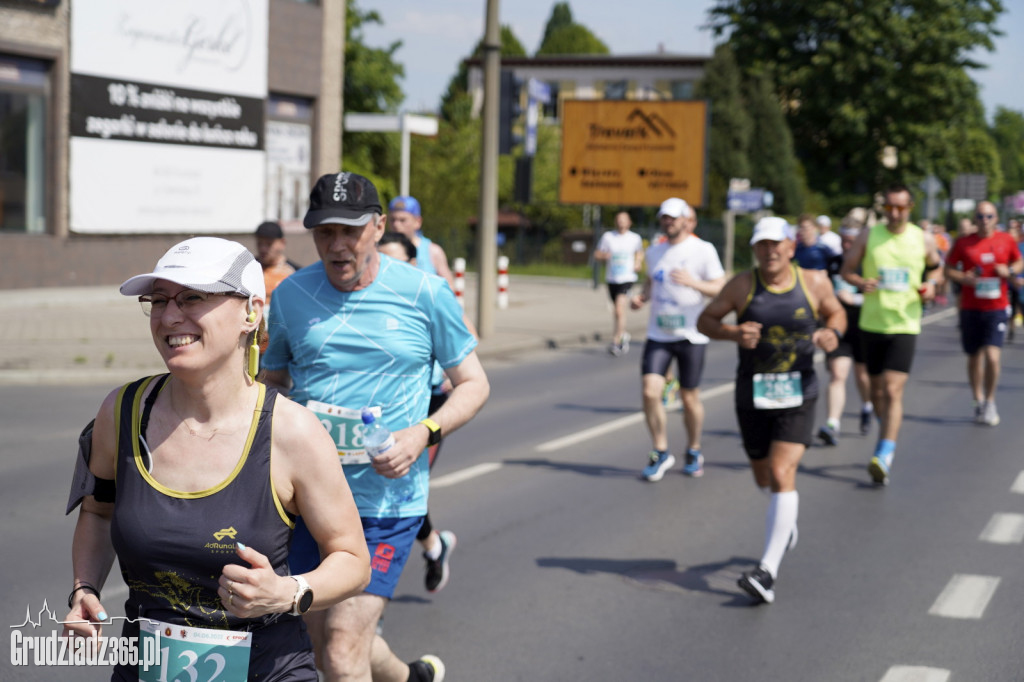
897, 266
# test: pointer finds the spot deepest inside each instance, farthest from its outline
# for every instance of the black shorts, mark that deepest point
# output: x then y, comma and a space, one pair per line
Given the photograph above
850, 345
980, 328
888, 352
689, 360
619, 289
760, 428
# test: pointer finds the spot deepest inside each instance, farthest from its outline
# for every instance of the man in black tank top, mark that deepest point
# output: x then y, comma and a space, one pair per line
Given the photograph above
778, 309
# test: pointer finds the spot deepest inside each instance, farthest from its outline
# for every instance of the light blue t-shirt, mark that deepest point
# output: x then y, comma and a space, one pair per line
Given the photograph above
423, 261
369, 348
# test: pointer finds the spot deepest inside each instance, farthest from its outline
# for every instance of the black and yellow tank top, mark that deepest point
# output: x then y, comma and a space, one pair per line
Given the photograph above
788, 320
172, 546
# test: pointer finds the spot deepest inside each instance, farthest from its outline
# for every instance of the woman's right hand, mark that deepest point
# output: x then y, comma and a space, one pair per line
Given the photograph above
82, 620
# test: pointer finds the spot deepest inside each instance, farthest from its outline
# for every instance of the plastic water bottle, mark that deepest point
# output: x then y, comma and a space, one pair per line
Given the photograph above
378, 439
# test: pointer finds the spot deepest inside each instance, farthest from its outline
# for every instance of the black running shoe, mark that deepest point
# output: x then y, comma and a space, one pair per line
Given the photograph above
828, 435
437, 569
758, 584
426, 669
865, 421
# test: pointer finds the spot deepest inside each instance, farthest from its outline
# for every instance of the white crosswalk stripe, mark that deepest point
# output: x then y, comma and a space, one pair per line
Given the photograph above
965, 596
1004, 529
915, 673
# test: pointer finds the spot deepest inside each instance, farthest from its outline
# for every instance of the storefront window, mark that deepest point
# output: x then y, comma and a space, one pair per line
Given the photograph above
289, 148
23, 102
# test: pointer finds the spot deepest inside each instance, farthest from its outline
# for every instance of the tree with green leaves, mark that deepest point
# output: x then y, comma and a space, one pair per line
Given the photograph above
456, 106
1008, 135
561, 16
731, 126
857, 76
562, 35
574, 39
371, 87
773, 164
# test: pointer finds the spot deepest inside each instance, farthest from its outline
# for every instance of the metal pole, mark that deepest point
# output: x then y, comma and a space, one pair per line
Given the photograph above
487, 227
403, 183
729, 223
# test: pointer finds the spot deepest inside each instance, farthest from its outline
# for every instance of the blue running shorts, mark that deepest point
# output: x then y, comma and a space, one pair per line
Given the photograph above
390, 543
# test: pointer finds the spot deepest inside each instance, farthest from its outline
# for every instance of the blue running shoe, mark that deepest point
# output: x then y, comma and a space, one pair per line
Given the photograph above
694, 465
879, 468
660, 463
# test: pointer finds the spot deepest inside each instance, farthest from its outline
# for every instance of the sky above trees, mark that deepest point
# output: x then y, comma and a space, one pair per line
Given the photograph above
438, 34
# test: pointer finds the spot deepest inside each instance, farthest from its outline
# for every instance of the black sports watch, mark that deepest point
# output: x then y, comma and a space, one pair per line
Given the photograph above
303, 596
435, 431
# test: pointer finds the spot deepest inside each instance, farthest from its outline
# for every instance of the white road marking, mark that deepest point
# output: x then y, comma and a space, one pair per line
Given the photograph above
965, 596
915, 673
1004, 529
464, 474
616, 424
1018, 484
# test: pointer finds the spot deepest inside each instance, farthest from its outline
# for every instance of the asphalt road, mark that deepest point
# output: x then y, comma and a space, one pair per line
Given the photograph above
569, 567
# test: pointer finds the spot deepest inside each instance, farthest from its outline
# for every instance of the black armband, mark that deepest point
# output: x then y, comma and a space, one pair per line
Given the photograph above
84, 482
929, 268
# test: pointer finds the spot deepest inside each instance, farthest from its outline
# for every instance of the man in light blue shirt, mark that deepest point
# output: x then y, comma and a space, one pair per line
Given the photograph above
358, 330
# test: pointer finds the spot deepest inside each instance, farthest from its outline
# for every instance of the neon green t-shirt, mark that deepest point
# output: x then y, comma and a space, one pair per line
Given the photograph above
897, 261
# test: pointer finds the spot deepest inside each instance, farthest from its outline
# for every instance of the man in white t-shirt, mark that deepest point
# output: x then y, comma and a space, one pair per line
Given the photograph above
683, 272
623, 252
829, 238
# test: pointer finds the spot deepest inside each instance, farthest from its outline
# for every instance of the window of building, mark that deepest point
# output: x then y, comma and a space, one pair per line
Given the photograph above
24, 97
616, 89
682, 89
289, 142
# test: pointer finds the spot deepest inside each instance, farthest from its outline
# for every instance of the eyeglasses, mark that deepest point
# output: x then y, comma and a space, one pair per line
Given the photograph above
895, 207
984, 216
185, 300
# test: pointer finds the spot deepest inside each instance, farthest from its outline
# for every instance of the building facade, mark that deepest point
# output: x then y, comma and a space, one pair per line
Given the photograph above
128, 125
656, 76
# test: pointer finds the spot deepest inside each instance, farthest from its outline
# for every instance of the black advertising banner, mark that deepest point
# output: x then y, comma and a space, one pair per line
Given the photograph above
119, 109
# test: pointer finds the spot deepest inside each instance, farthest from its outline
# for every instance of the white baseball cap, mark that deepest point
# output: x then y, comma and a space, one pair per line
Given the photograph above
772, 228
823, 221
675, 207
210, 264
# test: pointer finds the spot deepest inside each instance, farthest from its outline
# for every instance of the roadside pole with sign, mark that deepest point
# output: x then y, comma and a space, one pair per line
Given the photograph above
741, 198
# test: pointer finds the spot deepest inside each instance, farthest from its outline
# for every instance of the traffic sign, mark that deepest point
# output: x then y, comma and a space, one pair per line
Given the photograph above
970, 186
746, 201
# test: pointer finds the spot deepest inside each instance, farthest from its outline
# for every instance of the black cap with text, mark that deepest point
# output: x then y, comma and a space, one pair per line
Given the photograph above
342, 199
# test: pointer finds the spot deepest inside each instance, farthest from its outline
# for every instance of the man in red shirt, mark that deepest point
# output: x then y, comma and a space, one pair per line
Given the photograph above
982, 263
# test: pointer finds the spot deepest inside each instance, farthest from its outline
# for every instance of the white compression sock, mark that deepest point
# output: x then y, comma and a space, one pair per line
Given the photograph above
779, 525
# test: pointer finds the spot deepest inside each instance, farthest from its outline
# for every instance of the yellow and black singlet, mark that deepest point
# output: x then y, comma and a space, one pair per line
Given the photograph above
172, 546
788, 320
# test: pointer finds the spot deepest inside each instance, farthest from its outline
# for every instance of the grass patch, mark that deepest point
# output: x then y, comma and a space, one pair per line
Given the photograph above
552, 270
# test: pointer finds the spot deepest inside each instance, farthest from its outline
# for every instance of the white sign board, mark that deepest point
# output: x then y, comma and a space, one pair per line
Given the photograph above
167, 115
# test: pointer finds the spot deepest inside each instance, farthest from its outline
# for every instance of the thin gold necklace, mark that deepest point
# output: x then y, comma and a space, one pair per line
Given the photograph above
192, 431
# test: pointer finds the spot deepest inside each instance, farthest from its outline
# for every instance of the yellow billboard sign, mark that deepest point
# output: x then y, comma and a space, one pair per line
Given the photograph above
633, 153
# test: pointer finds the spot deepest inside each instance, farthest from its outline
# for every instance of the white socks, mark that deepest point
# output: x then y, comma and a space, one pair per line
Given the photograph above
780, 523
